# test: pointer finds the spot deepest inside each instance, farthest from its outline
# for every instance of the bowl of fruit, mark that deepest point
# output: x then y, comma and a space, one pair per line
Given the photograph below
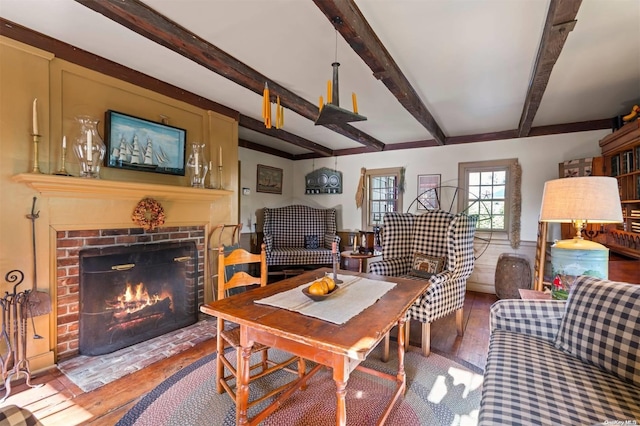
320, 289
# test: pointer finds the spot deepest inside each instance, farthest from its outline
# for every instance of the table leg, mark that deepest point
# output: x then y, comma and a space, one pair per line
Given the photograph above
341, 412
360, 265
401, 376
243, 371
340, 367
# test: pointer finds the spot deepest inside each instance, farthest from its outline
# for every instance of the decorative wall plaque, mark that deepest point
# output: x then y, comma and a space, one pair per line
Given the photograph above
324, 181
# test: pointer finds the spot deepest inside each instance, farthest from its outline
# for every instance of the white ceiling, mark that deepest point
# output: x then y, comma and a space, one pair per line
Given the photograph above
470, 61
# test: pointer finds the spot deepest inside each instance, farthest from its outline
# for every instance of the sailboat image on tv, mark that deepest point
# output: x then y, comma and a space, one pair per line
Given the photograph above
133, 154
137, 144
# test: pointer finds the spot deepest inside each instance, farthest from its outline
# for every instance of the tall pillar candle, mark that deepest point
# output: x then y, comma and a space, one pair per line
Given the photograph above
89, 145
35, 117
220, 158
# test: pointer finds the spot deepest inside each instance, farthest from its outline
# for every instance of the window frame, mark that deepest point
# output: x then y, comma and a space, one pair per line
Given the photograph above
396, 172
506, 165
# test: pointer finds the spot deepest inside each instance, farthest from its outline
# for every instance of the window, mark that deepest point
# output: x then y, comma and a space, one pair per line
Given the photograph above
382, 195
488, 188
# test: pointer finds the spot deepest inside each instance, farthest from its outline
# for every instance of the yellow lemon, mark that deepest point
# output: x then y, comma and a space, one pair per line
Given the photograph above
330, 283
316, 289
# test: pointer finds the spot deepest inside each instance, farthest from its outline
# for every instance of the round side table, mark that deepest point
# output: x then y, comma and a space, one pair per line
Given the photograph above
351, 255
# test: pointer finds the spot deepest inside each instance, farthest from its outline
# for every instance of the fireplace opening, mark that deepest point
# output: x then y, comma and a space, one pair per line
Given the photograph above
129, 294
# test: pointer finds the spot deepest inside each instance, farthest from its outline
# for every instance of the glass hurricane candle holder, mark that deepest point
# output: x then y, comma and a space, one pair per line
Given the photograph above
197, 166
89, 147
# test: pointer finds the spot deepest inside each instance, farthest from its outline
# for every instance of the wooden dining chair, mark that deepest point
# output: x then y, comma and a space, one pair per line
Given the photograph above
229, 336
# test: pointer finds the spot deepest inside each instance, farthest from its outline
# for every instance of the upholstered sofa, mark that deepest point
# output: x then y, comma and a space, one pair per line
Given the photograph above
299, 235
411, 245
565, 363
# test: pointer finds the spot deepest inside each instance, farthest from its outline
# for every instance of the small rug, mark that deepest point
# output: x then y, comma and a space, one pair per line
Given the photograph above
440, 391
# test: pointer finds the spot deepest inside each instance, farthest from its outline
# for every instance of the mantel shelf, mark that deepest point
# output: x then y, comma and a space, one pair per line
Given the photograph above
75, 187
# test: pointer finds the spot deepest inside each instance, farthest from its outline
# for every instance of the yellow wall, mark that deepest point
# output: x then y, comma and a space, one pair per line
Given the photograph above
64, 91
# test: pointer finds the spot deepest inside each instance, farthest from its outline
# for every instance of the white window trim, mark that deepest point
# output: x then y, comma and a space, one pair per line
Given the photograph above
478, 166
390, 171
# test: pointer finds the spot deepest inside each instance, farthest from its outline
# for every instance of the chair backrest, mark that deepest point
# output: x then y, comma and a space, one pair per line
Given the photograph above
287, 226
397, 235
431, 233
240, 279
435, 233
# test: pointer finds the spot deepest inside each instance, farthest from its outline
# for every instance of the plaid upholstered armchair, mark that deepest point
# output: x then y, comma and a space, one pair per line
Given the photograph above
299, 235
436, 246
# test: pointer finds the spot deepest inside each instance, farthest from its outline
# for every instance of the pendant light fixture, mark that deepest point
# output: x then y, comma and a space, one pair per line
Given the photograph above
331, 113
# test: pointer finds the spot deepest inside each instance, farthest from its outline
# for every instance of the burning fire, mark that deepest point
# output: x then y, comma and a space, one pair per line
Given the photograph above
135, 298
140, 297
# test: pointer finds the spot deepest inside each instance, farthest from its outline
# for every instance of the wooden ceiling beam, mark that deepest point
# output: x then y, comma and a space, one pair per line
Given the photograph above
352, 25
559, 23
258, 126
554, 129
266, 149
138, 17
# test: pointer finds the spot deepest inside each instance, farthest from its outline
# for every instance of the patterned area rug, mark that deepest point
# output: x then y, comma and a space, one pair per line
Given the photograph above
440, 391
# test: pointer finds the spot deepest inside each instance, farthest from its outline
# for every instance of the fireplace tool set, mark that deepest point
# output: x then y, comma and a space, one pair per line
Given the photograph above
17, 307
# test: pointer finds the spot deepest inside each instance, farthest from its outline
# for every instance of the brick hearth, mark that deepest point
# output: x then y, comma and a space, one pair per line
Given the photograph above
91, 372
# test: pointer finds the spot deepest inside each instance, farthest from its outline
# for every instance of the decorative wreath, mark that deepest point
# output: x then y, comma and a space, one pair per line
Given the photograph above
148, 214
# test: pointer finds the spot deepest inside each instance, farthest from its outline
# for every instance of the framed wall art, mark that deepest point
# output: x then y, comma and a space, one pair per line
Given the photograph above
137, 144
428, 192
269, 179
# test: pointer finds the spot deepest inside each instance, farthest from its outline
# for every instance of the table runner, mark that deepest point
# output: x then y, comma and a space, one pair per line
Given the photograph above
353, 296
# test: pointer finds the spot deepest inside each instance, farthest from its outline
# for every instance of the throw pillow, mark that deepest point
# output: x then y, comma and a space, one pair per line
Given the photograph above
311, 242
425, 266
600, 326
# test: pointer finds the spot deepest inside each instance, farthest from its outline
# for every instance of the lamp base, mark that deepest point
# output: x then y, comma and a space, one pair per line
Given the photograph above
579, 244
580, 257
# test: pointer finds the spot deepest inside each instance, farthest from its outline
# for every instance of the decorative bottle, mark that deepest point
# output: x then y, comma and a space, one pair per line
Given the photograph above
89, 147
197, 166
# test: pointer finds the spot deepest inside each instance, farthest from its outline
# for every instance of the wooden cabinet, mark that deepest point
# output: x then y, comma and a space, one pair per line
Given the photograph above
621, 152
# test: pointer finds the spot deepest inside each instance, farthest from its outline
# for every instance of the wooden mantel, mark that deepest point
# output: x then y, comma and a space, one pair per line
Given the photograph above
75, 187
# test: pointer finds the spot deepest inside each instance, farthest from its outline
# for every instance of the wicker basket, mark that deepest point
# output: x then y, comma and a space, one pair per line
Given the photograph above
513, 272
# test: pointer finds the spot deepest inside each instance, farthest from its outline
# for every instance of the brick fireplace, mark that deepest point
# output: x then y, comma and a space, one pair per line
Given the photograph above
68, 246
78, 213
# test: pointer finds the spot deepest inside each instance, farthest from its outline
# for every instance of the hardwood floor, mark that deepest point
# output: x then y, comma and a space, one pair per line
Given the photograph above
60, 402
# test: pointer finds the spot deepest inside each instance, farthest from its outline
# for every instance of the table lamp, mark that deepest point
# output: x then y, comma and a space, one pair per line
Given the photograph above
580, 200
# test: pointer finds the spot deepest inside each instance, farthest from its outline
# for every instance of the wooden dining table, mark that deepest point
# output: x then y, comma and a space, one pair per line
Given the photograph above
341, 347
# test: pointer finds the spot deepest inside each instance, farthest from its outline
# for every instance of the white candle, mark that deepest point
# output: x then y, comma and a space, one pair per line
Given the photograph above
64, 142
220, 158
89, 145
196, 161
35, 116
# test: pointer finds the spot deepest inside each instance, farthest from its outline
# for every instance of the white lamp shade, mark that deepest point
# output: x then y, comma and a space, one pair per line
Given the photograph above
591, 198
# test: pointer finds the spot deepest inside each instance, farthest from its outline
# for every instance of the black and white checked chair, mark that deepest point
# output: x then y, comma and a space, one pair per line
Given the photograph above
435, 233
285, 229
565, 363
